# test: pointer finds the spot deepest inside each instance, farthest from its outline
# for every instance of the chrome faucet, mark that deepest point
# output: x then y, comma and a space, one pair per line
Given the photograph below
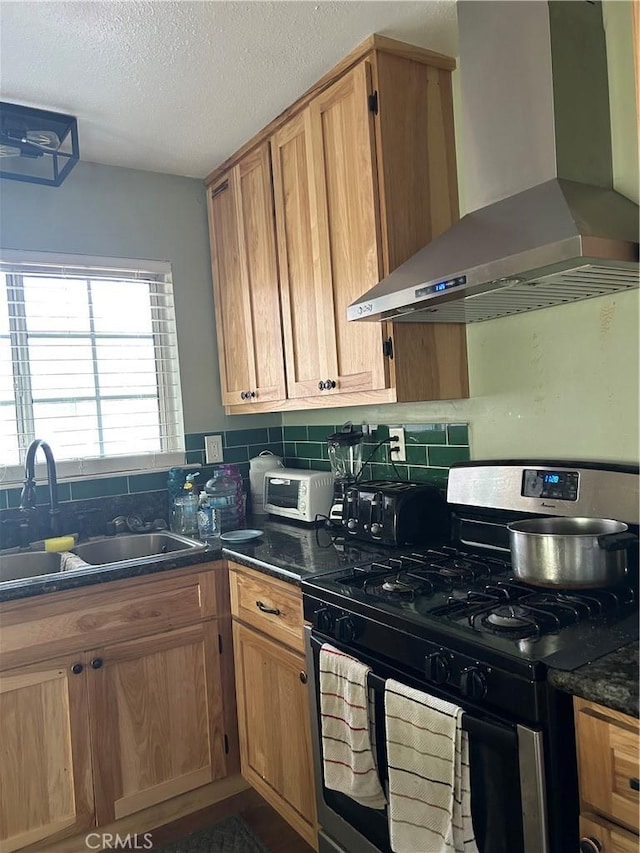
28, 494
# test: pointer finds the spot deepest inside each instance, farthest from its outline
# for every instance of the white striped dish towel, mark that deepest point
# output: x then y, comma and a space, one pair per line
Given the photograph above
429, 789
348, 760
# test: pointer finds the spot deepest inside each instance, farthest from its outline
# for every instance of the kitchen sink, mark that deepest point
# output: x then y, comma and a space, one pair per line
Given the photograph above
136, 547
28, 565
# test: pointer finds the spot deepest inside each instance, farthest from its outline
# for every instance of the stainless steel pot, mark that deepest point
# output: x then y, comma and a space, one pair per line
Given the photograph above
578, 553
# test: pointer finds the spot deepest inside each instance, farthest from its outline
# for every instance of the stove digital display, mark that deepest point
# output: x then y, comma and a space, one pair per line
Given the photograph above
562, 485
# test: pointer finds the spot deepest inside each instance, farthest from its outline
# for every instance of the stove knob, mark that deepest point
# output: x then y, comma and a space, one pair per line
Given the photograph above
590, 845
436, 668
323, 620
376, 529
352, 524
345, 630
473, 682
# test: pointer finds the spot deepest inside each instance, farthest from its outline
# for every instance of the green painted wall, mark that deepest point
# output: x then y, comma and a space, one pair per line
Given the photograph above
563, 381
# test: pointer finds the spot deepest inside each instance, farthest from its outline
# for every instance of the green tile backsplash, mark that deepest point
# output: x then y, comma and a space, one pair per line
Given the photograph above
431, 449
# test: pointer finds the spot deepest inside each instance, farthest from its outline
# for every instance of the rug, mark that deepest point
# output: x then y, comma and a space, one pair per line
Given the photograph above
231, 835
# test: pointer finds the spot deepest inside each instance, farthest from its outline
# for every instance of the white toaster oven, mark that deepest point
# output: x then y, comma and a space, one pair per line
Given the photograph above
298, 493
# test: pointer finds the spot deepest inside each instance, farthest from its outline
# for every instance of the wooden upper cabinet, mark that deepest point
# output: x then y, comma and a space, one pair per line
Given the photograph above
326, 214
46, 790
245, 282
364, 175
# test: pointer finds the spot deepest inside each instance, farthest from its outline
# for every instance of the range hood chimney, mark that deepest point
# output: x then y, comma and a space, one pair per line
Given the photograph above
546, 226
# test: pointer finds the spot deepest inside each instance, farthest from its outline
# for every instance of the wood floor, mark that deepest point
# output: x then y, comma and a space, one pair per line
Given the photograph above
274, 832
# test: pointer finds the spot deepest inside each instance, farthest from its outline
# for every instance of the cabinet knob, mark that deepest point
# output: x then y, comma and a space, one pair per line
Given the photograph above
243, 395
330, 384
251, 394
96, 663
303, 677
77, 668
590, 845
321, 386
634, 783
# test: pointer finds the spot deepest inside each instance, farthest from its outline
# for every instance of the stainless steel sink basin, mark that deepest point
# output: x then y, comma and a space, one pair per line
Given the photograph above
29, 564
136, 547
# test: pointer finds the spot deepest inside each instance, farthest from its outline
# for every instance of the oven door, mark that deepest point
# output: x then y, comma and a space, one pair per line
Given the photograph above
505, 760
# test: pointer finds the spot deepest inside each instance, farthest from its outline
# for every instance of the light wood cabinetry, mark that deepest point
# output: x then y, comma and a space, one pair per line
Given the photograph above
608, 766
134, 712
273, 711
364, 175
45, 762
245, 282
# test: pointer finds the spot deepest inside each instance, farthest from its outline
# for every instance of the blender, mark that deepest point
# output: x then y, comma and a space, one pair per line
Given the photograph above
345, 456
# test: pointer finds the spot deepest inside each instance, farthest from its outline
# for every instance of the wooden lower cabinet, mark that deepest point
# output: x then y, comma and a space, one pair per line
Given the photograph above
46, 789
94, 736
273, 720
609, 769
155, 707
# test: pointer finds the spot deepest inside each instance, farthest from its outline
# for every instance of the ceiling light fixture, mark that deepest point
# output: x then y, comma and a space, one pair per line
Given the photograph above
37, 146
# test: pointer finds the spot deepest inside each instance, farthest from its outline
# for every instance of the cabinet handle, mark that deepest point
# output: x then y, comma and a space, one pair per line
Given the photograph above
244, 395
634, 783
330, 383
251, 394
303, 677
321, 386
77, 668
590, 845
96, 663
265, 609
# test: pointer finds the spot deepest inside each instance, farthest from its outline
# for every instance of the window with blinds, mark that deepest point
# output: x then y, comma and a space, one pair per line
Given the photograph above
89, 363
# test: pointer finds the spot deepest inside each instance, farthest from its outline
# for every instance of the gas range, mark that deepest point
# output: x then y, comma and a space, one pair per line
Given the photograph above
473, 601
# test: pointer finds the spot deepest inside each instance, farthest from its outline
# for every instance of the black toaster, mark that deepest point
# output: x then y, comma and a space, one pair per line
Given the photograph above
395, 513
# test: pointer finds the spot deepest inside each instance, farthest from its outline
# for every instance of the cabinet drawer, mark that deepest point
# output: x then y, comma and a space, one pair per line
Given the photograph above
608, 763
61, 623
610, 838
272, 606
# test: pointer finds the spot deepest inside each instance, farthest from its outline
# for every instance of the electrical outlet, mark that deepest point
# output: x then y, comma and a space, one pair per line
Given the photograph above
396, 448
213, 448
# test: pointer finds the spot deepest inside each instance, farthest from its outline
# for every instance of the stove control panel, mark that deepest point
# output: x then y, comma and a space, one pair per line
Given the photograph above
560, 485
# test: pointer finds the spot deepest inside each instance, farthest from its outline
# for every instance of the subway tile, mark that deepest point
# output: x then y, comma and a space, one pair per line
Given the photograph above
444, 457
275, 434
13, 498
416, 454
194, 457
147, 482
295, 433
289, 448
437, 476
235, 438
320, 465
308, 450
98, 488
458, 434
425, 433
194, 441
236, 454
3, 498
319, 433
256, 449
42, 493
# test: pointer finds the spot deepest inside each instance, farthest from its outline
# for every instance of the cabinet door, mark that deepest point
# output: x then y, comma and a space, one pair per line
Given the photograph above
346, 195
245, 282
611, 838
45, 765
273, 719
156, 719
328, 239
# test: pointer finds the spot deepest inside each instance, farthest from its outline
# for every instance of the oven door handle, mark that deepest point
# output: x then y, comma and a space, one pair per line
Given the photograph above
532, 790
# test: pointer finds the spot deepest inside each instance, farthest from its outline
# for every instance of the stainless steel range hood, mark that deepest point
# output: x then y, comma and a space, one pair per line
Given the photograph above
547, 227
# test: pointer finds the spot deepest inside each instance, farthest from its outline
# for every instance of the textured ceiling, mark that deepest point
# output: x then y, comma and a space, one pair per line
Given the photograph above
178, 86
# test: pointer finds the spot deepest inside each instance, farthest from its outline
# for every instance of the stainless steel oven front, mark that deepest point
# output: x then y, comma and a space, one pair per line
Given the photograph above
507, 774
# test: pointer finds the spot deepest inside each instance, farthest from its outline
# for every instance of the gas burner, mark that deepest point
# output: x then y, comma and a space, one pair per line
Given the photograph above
514, 621
397, 586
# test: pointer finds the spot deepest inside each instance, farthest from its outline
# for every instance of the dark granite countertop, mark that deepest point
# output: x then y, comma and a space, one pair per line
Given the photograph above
611, 680
291, 551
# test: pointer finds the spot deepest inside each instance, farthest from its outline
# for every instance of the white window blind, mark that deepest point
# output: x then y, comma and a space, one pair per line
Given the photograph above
89, 363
